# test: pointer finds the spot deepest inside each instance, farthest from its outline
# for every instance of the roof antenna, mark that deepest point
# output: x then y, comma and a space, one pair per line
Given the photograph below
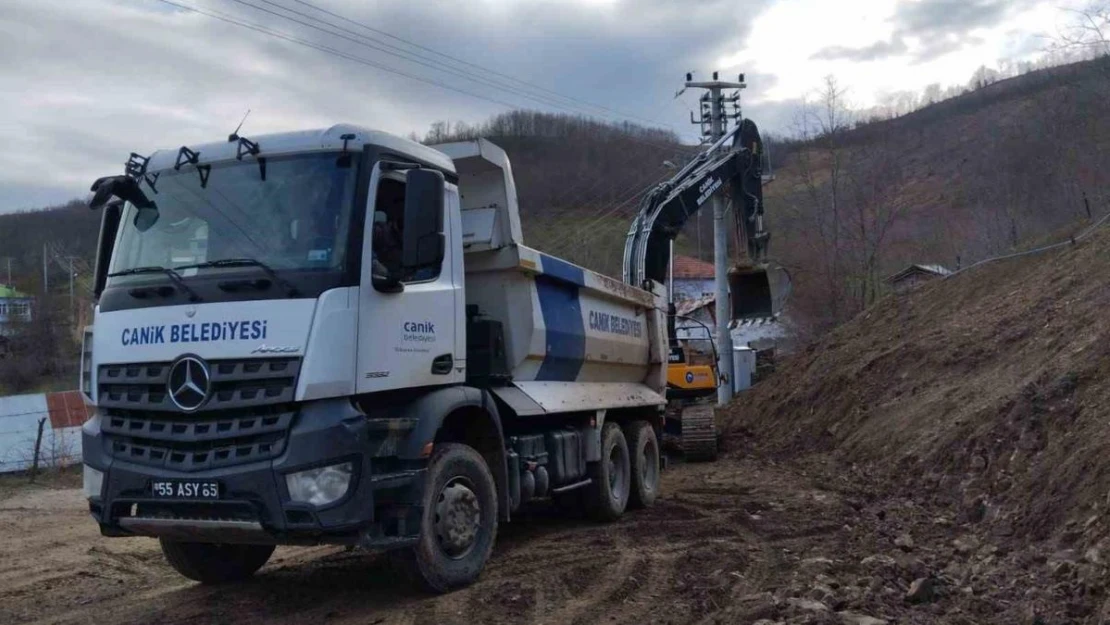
231, 138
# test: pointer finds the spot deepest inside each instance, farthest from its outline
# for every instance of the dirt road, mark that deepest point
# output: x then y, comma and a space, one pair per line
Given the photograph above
736, 541
722, 532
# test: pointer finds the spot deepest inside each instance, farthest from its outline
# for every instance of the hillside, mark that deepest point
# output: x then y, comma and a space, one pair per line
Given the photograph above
68, 230
954, 182
980, 403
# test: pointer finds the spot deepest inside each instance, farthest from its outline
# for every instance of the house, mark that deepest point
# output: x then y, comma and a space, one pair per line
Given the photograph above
914, 275
693, 279
15, 307
697, 320
695, 303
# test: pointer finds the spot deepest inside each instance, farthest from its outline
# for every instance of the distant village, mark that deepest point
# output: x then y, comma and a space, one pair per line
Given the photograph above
15, 308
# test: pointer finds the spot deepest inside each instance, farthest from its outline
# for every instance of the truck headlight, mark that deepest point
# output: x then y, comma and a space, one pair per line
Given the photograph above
320, 487
85, 379
93, 482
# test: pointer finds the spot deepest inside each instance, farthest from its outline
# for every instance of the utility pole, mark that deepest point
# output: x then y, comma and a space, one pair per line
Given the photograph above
714, 123
9, 282
45, 274
72, 310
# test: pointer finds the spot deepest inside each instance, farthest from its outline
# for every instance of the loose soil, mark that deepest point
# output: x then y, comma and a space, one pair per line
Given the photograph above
743, 539
728, 542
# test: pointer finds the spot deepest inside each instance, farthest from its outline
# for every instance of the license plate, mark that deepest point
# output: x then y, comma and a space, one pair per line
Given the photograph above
185, 489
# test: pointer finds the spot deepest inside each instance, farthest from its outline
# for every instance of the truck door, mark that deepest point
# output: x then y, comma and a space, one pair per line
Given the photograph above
407, 332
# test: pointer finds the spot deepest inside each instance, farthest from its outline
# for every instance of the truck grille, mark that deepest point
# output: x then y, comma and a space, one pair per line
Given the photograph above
235, 384
246, 418
185, 443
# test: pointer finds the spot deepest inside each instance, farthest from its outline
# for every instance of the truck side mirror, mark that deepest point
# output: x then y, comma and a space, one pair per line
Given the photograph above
422, 235
109, 226
123, 187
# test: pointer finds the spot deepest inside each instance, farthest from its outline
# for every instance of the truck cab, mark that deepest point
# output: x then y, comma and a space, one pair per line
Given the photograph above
337, 336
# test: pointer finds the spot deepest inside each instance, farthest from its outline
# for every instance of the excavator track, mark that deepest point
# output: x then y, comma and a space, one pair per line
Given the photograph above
699, 433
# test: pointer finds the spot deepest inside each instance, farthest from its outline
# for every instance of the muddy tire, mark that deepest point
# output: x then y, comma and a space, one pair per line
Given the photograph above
644, 456
210, 563
607, 494
459, 525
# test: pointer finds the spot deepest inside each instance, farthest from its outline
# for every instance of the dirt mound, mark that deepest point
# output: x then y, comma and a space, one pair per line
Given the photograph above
988, 392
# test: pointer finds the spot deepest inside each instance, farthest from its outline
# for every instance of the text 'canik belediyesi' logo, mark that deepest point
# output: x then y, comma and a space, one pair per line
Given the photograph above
245, 330
419, 331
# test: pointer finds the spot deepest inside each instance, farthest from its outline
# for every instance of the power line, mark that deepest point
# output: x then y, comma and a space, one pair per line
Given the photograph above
396, 52
437, 66
1071, 241
325, 49
562, 242
577, 190
234, 20
582, 194
476, 66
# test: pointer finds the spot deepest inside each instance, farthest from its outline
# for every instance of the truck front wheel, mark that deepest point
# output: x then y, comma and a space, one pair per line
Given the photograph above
607, 494
210, 563
459, 524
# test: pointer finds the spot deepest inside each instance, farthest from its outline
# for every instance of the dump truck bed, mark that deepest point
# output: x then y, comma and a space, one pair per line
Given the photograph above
574, 339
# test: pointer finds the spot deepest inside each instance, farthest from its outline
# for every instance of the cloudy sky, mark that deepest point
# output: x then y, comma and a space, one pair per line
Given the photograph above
85, 82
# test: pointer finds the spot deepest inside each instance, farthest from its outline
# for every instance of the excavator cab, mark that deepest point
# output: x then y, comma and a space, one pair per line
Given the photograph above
692, 380
691, 374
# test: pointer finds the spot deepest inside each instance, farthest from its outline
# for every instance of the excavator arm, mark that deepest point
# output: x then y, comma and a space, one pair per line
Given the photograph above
732, 165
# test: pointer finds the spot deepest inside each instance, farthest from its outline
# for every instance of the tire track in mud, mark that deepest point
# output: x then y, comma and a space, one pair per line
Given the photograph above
713, 538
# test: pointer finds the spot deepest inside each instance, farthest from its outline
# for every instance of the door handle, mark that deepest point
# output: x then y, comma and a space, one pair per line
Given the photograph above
443, 364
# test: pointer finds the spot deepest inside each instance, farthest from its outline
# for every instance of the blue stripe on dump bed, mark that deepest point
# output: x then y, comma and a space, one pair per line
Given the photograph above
565, 333
562, 270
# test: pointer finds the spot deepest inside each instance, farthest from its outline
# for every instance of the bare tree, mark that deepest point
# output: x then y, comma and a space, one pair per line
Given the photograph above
875, 179
983, 77
932, 94
1088, 30
823, 125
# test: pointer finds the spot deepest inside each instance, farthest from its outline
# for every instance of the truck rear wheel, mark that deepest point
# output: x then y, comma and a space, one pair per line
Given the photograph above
607, 494
643, 448
459, 524
210, 563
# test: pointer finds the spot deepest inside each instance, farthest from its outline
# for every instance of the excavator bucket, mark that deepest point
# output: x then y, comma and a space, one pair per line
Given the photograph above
757, 291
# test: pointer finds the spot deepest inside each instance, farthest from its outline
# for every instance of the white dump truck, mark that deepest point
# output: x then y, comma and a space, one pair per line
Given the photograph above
338, 336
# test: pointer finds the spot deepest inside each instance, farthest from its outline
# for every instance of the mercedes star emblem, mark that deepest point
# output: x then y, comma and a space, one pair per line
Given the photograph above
189, 383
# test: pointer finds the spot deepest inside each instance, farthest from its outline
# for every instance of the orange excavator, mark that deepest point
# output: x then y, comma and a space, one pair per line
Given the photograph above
692, 380
733, 165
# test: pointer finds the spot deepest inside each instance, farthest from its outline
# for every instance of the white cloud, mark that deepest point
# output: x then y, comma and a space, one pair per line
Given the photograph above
876, 47
85, 82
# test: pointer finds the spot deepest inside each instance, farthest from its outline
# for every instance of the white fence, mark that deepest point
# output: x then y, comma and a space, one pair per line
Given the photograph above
61, 415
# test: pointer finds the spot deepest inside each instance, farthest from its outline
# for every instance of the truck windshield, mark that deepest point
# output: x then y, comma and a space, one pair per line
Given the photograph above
296, 219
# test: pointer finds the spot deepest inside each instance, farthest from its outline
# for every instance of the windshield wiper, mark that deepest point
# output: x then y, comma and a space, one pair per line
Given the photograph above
173, 276
248, 262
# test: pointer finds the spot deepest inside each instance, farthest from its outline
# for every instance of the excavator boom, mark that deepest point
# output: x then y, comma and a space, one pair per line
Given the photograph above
732, 165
